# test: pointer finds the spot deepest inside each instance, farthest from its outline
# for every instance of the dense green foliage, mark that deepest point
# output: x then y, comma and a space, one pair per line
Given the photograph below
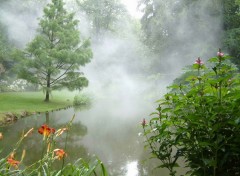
6, 62
82, 99
53, 58
199, 121
231, 24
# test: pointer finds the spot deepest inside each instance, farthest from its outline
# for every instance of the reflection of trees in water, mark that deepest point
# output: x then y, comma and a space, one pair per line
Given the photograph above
81, 107
33, 143
11, 135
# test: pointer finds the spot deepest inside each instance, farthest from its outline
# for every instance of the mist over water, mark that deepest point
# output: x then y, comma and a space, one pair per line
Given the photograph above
120, 81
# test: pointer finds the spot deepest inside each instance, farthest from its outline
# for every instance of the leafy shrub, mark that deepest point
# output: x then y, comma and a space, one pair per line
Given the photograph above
4, 86
82, 99
199, 121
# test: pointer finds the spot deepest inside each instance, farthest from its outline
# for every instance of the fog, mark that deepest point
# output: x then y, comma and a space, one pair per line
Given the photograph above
123, 86
21, 20
120, 60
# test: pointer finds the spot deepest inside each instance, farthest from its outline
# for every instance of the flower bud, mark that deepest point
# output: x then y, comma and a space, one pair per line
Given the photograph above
199, 61
143, 123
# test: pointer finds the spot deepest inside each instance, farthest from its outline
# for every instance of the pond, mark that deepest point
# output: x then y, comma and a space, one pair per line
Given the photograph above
112, 133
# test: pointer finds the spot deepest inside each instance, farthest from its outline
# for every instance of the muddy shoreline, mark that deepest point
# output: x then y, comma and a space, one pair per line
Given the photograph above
9, 117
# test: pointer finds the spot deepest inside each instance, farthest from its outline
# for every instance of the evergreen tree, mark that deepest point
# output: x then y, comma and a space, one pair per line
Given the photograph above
53, 58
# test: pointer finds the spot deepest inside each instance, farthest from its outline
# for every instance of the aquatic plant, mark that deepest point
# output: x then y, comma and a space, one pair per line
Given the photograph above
198, 121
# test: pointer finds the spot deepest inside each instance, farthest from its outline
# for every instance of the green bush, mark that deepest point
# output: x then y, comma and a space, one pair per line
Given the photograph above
199, 121
82, 99
4, 86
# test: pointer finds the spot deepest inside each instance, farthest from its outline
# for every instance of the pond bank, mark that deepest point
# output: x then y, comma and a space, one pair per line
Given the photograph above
10, 117
16, 105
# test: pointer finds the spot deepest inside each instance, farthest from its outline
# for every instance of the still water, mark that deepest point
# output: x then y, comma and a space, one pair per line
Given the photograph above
112, 133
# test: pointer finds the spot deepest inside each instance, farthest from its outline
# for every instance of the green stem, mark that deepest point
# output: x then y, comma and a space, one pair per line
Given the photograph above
65, 148
215, 167
43, 147
204, 168
220, 83
66, 140
220, 92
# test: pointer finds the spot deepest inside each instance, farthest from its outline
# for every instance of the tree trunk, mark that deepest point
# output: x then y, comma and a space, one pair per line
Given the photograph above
48, 88
47, 117
47, 96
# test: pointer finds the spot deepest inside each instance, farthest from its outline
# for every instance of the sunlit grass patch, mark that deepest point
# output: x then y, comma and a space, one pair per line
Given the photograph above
17, 102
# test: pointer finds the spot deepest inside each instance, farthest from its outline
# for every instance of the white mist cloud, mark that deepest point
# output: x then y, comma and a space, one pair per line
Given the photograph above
21, 20
196, 32
118, 66
132, 7
117, 76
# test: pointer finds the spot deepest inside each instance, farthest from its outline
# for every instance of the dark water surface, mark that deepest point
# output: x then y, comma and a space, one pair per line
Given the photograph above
113, 133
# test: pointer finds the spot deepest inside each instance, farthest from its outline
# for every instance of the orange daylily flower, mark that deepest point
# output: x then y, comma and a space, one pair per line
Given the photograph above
45, 130
60, 153
13, 162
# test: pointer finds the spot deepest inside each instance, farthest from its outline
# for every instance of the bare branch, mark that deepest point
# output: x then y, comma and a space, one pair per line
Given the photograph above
62, 74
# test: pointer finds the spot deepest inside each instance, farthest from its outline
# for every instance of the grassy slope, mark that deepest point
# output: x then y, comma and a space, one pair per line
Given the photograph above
17, 102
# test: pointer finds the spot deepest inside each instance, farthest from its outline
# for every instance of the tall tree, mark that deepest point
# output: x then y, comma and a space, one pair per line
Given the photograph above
6, 63
180, 29
103, 14
231, 24
53, 58
173, 22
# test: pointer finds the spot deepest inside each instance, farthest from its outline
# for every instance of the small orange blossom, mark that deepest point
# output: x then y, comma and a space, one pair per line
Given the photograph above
60, 153
13, 162
45, 130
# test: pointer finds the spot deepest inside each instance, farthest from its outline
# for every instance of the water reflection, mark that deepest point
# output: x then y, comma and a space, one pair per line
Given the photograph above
132, 169
33, 143
110, 133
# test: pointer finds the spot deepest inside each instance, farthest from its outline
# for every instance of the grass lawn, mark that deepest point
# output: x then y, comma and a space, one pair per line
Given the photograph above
17, 102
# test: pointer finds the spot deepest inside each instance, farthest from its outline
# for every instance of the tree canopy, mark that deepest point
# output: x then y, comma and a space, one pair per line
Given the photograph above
6, 62
174, 23
231, 24
52, 59
103, 14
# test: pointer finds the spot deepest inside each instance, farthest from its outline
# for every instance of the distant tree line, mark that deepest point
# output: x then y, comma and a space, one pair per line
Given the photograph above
231, 24
160, 28
182, 24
